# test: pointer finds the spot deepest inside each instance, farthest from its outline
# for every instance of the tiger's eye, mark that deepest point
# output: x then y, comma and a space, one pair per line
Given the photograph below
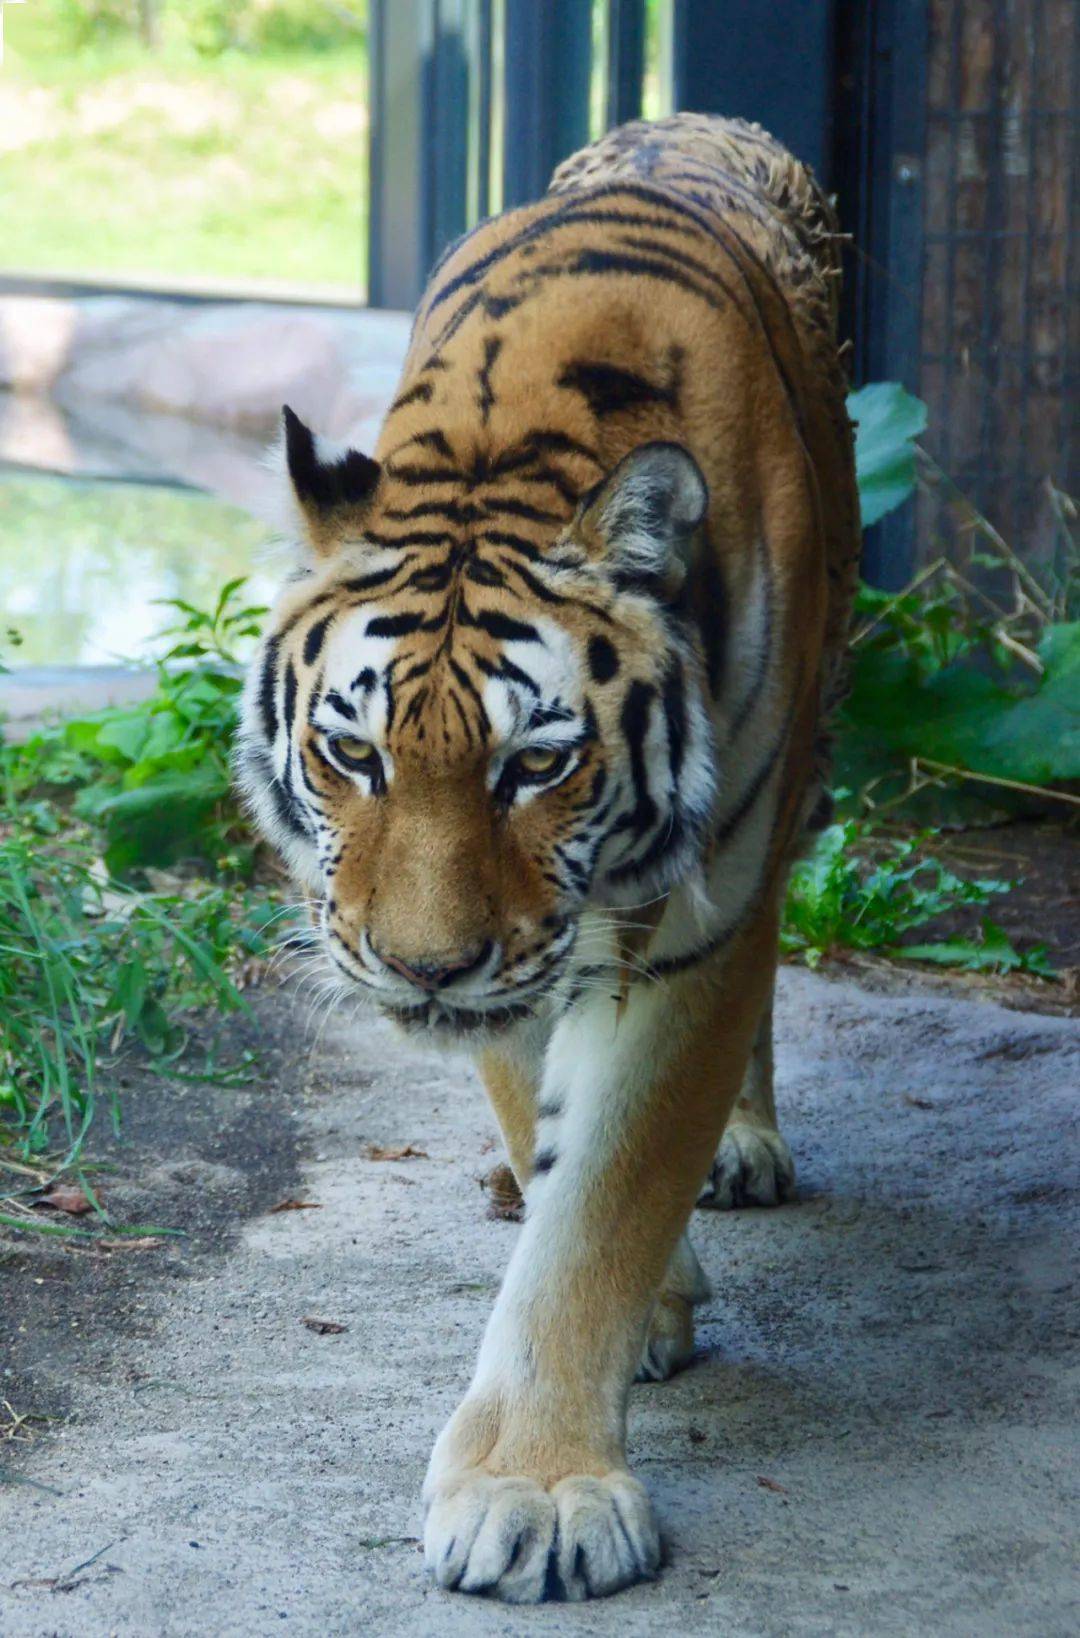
357, 753
539, 760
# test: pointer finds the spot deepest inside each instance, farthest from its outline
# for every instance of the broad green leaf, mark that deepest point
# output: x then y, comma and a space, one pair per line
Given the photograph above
887, 420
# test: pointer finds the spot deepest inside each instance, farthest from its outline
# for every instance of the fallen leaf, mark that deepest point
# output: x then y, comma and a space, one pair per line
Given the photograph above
67, 1197
404, 1151
323, 1327
136, 1242
295, 1205
771, 1484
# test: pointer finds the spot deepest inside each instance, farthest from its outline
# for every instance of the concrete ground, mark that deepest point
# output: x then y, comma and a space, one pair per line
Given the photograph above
878, 1435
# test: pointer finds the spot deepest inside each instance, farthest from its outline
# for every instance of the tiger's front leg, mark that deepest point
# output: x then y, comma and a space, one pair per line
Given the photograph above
528, 1493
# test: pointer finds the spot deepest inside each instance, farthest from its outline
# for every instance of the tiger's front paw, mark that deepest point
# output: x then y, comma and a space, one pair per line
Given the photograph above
753, 1167
516, 1540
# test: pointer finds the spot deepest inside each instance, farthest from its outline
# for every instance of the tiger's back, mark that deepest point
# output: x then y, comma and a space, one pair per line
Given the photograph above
679, 281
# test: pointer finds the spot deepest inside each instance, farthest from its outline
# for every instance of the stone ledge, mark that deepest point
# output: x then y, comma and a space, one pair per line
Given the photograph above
227, 364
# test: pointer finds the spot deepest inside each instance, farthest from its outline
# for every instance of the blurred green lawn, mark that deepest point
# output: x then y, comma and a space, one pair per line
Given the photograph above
244, 166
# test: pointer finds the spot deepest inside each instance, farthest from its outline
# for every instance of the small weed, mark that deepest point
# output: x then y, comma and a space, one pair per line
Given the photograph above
856, 892
152, 779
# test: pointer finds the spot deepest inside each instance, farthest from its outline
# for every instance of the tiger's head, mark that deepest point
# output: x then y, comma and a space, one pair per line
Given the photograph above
479, 710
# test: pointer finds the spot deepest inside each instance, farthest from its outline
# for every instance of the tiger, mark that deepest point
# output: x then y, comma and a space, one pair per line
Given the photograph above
538, 724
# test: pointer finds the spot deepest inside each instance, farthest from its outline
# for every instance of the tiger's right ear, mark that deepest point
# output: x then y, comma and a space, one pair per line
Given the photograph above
640, 520
333, 487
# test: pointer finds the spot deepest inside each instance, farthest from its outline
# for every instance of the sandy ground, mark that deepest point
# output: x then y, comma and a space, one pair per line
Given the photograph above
878, 1435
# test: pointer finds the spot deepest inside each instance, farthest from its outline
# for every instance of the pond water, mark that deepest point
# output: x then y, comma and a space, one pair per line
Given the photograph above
85, 564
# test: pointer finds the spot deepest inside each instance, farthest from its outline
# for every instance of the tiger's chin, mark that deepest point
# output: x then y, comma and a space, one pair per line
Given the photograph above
447, 1025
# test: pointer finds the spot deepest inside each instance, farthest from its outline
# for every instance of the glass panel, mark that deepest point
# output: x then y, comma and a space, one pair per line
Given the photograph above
219, 143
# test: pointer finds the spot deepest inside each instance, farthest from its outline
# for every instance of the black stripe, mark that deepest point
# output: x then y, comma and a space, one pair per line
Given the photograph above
288, 810
460, 709
505, 505
483, 573
666, 839
420, 394
506, 537
470, 688
486, 397
595, 263
674, 702
607, 389
448, 509
341, 704
377, 577
290, 698
681, 258
313, 642
635, 725
432, 439
558, 482
536, 586
426, 474
570, 210
603, 659
508, 671
558, 443
394, 625
413, 537
268, 689
500, 626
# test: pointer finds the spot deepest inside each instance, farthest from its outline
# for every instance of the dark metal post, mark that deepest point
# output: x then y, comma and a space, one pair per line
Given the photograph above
548, 56
765, 60
398, 235
446, 118
626, 60
430, 94
881, 127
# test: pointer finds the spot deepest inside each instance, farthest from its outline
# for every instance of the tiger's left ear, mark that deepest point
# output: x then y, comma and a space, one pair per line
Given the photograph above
333, 489
641, 518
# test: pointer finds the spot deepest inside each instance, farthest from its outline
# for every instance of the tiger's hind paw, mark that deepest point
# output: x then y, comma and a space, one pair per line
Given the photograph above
753, 1167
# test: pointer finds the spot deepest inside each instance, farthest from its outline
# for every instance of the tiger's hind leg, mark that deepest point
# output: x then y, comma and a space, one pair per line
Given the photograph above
669, 1341
753, 1165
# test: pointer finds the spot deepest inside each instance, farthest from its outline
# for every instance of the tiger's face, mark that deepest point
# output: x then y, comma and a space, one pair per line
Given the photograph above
462, 737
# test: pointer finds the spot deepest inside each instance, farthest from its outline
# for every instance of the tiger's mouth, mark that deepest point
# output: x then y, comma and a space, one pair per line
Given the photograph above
442, 1017
465, 1017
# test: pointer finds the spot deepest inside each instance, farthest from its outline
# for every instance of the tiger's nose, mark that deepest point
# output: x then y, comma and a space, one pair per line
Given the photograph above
436, 974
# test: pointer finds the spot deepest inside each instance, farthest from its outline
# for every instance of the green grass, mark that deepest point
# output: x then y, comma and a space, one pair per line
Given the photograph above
100, 948
240, 166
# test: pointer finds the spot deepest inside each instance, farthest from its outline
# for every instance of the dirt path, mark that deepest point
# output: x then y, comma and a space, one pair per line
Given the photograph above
878, 1436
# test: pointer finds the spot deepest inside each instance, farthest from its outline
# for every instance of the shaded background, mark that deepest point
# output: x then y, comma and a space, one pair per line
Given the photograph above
174, 156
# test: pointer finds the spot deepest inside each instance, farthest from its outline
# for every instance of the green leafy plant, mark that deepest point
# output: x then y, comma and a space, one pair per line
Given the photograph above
965, 687
855, 892
153, 777
887, 421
